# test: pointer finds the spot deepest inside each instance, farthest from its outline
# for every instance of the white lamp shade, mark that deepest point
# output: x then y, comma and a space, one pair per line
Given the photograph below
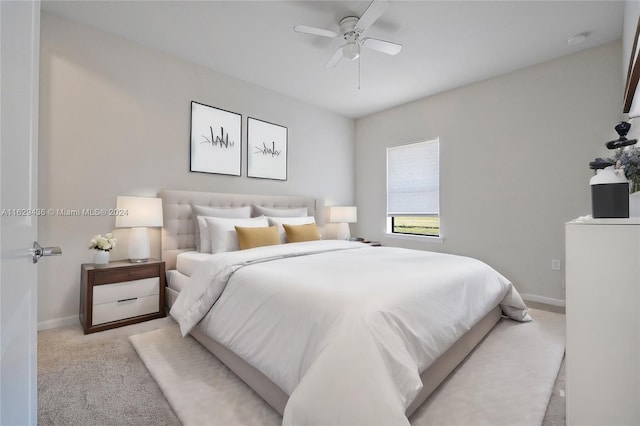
140, 212
343, 214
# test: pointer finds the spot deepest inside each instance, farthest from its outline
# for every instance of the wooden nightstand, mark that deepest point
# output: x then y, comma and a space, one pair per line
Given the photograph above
372, 243
365, 241
121, 293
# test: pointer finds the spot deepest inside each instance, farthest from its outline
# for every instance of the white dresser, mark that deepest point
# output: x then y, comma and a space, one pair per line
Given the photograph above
603, 322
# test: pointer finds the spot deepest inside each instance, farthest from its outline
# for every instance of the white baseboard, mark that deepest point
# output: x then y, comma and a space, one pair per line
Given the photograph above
58, 322
542, 299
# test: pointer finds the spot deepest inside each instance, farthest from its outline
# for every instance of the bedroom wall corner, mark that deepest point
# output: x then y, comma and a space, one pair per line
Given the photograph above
514, 155
115, 120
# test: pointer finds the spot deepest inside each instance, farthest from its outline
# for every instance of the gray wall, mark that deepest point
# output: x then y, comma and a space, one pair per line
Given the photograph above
114, 120
514, 162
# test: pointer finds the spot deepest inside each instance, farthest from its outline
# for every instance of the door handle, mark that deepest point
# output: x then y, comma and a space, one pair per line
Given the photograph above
37, 252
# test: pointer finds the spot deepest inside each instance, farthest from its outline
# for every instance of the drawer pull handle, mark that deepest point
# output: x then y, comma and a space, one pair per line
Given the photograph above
127, 300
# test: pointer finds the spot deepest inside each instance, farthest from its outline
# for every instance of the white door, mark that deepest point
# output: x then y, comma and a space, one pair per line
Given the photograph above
19, 59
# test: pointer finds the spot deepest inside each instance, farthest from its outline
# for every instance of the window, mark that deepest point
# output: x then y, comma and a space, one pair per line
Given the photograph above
413, 189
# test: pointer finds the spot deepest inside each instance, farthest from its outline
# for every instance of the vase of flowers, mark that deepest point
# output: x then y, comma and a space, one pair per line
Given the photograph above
629, 159
102, 244
626, 158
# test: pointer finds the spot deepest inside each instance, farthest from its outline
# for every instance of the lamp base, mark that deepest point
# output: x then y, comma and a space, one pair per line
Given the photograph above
139, 251
343, 231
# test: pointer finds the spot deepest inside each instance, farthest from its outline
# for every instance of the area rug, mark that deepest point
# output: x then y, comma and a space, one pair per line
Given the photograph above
506, 380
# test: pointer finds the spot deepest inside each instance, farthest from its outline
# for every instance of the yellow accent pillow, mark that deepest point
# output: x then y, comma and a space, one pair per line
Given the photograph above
300, 233
257, 237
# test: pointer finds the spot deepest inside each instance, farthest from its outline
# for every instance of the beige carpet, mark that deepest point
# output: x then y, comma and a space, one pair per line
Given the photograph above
507, 380
98, 379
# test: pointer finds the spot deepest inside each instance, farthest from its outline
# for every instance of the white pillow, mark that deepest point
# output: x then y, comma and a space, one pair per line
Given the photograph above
222, 231
204, 242
202, 234
289, 221
279, 212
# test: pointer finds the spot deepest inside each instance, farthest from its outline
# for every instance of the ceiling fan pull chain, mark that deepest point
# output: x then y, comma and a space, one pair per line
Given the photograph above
359, 61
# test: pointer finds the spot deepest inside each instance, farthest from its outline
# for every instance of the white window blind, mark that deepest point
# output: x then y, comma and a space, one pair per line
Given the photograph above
413, 179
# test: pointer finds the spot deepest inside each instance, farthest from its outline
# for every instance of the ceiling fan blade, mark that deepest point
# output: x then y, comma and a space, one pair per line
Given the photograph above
314, 31
387, 47
371, 15
335, 58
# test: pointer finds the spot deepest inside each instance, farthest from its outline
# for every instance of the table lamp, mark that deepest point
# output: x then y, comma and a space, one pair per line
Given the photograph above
343, 216
141, 212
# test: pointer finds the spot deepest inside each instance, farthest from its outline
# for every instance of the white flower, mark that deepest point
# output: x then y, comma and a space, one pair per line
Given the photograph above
99, 242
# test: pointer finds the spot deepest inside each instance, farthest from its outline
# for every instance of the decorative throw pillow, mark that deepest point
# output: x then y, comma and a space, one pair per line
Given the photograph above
289, 221
257, 237
202, 234
300, 233
279, 212
223, 234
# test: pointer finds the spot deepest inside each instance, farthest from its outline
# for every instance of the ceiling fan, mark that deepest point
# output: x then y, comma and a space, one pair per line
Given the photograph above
351, 30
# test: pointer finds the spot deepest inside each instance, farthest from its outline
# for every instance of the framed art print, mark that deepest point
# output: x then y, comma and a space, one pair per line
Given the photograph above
266, 150
633, 73
216, 144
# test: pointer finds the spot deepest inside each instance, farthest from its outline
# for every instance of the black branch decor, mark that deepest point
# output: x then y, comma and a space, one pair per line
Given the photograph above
222, 140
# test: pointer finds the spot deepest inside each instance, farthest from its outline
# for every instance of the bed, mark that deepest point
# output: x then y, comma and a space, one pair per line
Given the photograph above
345, 362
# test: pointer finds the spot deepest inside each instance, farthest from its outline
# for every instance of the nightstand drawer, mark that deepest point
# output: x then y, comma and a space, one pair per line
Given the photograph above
106, 276
127, 308
107, 293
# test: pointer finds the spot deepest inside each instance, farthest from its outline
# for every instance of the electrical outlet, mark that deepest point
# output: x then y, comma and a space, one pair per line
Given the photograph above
555, 264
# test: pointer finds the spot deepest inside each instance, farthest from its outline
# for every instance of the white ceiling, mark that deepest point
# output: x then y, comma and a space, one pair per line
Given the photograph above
447, 44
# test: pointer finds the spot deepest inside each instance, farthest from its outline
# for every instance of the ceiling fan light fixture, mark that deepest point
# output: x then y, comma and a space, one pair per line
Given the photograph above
352, 29
351, 51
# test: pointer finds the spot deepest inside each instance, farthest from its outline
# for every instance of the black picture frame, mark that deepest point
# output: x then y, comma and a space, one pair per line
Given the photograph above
633, 73
215, 140
267, 150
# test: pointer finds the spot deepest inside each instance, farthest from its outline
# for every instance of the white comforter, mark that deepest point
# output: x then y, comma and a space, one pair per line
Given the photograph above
343, 328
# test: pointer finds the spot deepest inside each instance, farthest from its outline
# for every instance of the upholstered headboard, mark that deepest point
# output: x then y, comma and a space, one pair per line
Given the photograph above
178, 232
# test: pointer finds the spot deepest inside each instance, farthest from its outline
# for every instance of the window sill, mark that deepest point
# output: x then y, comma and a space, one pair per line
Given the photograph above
424, 238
